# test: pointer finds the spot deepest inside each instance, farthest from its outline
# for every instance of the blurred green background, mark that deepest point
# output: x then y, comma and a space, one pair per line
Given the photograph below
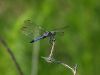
79, 45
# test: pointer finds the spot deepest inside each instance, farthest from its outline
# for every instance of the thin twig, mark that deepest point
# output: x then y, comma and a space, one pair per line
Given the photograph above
50, 59
72, 69
52, 49
12, 56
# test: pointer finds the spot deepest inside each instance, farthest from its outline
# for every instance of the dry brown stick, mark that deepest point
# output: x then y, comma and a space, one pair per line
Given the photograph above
12, 56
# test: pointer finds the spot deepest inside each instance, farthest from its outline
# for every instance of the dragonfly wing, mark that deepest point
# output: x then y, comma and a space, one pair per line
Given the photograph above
37, 39
29, 27
61, 30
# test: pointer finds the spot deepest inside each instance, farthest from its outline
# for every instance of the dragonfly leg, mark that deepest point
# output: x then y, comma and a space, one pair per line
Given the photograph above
51, 40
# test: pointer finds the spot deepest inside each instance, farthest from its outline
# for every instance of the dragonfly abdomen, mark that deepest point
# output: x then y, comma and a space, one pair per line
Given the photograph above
37, 39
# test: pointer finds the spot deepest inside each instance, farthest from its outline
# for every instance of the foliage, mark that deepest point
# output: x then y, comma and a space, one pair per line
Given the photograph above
79, 44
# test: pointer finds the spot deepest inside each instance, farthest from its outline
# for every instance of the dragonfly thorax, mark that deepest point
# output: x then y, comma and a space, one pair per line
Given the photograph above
51, 33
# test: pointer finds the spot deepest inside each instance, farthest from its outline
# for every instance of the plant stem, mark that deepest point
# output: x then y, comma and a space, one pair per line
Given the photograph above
12, 56
35, 55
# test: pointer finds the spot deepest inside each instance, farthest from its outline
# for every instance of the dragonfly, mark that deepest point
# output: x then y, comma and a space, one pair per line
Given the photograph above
29, 27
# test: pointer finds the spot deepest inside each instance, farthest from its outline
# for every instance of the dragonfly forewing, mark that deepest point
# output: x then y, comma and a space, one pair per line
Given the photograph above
29, 28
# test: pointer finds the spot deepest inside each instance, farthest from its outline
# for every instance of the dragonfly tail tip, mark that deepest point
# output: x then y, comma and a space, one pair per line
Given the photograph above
32, 41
